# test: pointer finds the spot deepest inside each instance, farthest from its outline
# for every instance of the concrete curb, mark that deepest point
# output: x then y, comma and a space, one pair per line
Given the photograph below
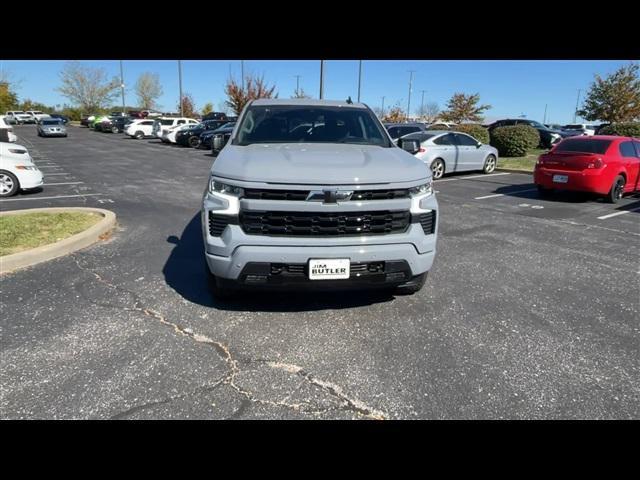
513, 170
65, 246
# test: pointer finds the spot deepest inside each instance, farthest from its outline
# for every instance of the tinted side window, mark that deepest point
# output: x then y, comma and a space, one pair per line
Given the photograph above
407, 130
444, 140
393, 131
465, 140
637, 144
627, 150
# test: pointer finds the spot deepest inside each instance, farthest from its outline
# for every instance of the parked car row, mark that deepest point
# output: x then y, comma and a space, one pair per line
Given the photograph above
188, 132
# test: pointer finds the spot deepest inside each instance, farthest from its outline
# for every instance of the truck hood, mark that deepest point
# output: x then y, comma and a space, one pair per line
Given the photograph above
318, 164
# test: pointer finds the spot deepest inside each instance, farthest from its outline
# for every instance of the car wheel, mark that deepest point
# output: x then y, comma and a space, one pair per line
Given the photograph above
412, 286
194, 142
437, 168
139, 135
617, 190
9, 184
114, 129
217, 290
489, 164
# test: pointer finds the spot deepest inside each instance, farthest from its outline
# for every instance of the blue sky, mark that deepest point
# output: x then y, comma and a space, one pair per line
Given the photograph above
513, 88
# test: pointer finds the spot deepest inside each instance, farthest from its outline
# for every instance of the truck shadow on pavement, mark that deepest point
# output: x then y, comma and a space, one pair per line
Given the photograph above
185, 272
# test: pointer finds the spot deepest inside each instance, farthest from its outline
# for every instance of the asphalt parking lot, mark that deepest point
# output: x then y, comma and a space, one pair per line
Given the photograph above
530, 312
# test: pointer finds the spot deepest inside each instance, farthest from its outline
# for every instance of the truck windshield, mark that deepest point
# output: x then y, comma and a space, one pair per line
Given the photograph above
310, 124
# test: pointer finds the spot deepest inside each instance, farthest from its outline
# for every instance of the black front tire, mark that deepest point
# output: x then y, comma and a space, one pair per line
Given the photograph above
412, 286
617, 190
219, 291
194, 142
139, 135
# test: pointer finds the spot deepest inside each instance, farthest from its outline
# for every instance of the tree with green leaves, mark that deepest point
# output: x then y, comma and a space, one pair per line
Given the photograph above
148, 90
87, 87
208, 108
8, 98
615, 98
462, 107
253, 88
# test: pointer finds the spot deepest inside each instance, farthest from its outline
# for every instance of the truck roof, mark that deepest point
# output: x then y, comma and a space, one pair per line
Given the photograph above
306, 101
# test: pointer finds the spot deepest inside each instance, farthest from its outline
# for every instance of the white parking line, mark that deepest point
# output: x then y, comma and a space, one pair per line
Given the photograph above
49, 198
622, 212
63, 183
503, 194
485, 175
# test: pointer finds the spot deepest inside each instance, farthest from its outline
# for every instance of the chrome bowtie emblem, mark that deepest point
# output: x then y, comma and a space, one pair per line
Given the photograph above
329, 195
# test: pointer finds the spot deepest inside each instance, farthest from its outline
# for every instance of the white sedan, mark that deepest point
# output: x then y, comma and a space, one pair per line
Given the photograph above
446, 152
17, 170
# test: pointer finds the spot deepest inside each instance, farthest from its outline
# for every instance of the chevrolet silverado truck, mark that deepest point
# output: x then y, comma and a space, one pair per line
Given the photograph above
313, 194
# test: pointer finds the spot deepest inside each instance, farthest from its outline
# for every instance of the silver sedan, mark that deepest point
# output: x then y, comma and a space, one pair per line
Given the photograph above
447, 152
51, 127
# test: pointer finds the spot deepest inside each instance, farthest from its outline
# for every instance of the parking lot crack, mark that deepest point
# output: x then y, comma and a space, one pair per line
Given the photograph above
334, 391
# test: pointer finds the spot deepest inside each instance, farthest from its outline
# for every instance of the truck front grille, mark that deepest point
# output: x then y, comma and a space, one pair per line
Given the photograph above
301, 195
324, 223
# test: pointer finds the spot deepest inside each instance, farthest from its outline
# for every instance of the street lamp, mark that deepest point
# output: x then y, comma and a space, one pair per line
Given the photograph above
411, 72
359, 79
321, 79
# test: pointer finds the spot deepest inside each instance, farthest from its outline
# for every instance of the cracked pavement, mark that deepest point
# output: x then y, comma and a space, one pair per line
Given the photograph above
511, 323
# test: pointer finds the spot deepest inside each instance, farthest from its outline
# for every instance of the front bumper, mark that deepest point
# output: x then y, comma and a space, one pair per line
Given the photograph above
54, 134
229, 255
29, 178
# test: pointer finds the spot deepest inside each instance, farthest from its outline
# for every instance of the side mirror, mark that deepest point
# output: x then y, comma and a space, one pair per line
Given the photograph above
409, 145
478, 145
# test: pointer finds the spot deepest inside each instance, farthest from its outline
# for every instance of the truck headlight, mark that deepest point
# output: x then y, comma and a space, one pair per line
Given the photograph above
424, 189
219, 187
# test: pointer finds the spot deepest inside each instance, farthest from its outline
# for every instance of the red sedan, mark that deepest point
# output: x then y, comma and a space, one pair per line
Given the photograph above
602, 164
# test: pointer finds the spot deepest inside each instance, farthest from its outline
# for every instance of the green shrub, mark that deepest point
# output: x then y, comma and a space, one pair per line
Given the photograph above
476, 131
627, 129
515, 141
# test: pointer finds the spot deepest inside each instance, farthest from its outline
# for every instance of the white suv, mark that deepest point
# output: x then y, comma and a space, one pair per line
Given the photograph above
140, 129
20, 117
37, 115
165, 123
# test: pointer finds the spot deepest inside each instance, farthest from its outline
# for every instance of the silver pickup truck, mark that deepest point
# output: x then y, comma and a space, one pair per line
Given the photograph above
314, 194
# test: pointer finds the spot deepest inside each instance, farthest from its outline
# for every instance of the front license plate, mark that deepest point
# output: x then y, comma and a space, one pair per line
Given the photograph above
560, 178
329, 269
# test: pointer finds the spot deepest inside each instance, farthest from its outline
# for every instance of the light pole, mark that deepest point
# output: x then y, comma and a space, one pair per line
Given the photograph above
359, 79
409, 99
180, 86
422, 104
242, 72
382, 109
544, 120
575, 113
297, 84
122, 85
321, 79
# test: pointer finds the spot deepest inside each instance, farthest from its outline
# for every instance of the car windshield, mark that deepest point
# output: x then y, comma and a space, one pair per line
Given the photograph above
537, 125
310, 124
583, 145
51, 122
